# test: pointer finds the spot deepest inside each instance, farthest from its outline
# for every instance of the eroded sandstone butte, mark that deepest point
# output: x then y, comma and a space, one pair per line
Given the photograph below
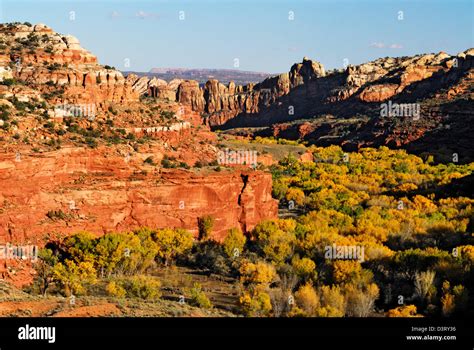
98, 191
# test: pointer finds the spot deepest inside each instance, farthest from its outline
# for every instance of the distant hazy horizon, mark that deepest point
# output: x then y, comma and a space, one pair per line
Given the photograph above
257, 36
168, 69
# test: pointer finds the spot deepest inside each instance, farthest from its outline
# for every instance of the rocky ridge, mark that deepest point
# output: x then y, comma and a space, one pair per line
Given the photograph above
46, 60
344, 106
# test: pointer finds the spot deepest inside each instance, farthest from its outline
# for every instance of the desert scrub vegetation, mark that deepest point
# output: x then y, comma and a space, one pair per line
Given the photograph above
170, 162
199, 298
58, 215
142, 287
73, 264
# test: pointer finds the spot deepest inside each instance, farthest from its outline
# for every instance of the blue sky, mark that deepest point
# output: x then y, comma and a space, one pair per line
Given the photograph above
259, 33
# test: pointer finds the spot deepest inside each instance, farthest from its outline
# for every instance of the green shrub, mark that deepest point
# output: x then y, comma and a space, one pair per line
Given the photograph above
205, 225
167, 164
143, 287
114, 289
9, 82
199, 298
234, 243
56, 215
91, 142
149, 160
184, 165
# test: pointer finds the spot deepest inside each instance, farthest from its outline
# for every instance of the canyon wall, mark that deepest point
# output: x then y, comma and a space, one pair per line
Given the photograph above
98, 191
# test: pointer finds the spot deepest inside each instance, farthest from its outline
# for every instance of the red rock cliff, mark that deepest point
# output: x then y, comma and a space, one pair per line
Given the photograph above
99, 192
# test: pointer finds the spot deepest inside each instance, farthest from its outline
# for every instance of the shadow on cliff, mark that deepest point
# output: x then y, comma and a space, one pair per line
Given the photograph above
305, 101
446, 134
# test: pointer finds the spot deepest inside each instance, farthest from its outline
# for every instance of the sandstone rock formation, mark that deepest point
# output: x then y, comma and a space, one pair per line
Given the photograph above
375, 81
47, 60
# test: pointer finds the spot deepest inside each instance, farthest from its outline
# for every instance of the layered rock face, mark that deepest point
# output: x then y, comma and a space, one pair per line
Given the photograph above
77, 189
384, 78
46, 61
